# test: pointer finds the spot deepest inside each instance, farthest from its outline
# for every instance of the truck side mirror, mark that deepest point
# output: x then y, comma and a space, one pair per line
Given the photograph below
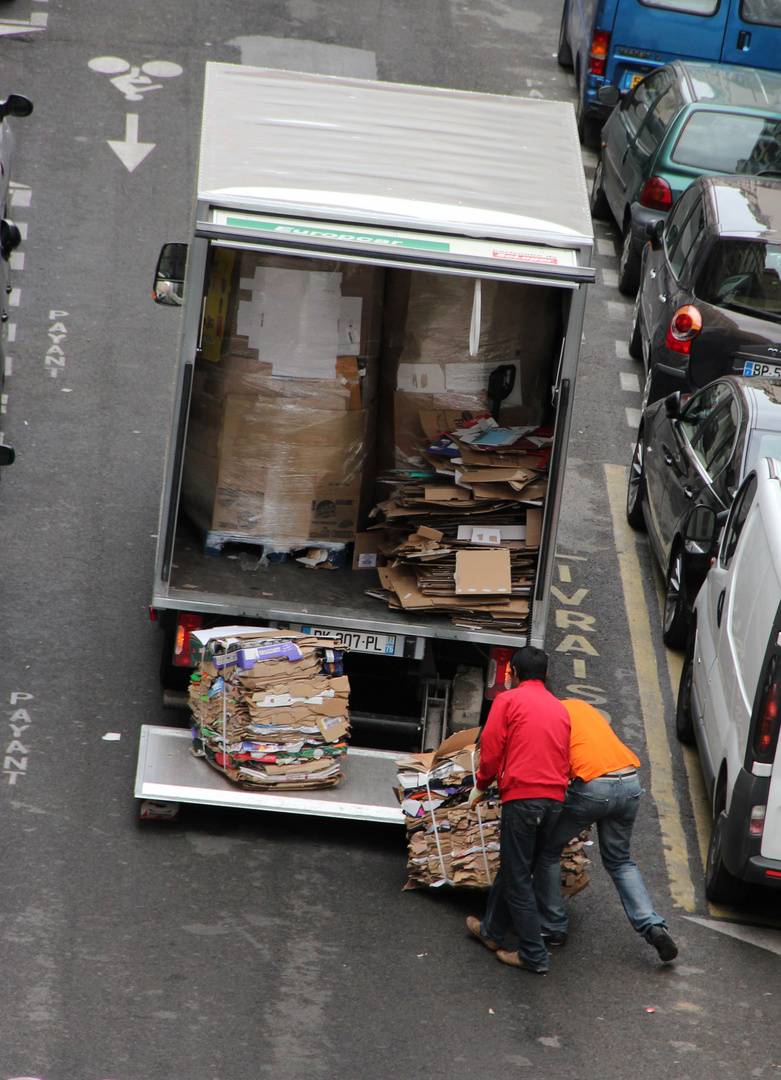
701, 531
654, 230
609, 95
10, 238
15, 105
169, 274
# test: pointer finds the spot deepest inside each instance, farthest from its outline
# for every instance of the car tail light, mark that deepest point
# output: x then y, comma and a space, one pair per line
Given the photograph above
756, 821
498, 670
773, 873
684, 327
656, 194
766, 729
185, 624
597, 57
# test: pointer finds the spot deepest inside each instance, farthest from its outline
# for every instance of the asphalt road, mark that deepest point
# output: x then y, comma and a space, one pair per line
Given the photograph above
225, 945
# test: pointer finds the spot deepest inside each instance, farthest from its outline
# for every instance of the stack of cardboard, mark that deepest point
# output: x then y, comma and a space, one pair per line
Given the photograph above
280, 442
270, 707
464, 539
449, 844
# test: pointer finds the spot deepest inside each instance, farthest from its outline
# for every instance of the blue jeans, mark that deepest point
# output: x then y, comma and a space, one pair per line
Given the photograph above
611, 802
526, 828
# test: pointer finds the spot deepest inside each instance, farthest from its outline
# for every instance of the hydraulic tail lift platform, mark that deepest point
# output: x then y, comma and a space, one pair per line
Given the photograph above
169, 773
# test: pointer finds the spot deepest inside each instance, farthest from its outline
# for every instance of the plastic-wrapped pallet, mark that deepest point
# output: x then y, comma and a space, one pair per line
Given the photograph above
448, 844
270, 707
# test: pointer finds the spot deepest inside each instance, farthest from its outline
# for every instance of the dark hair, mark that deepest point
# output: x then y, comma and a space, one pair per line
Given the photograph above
529, 663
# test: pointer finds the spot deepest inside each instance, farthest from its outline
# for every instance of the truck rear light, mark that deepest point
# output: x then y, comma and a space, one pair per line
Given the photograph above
185, 624
656, 194
684, 327
597, 57
756, 820
498, 670
766, 729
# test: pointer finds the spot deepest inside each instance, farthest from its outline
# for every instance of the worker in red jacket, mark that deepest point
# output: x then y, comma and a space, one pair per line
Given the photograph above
525, 746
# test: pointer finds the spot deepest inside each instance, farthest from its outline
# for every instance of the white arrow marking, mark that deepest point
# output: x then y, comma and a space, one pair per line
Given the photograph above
131, 152
753, 935
37, 21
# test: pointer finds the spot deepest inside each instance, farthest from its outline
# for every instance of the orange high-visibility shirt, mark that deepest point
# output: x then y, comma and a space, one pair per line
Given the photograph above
595, 749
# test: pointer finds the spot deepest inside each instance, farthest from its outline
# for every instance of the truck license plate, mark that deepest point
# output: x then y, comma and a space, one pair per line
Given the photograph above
768, 371
356, 640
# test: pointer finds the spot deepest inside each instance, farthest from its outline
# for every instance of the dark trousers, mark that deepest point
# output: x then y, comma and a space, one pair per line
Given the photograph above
526, 827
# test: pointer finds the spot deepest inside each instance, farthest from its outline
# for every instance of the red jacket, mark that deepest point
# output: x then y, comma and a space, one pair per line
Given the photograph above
525, 744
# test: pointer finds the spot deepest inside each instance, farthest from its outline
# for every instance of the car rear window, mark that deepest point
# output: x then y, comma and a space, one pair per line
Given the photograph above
764, 12
762, 444
743, 275
690, 7
724, 142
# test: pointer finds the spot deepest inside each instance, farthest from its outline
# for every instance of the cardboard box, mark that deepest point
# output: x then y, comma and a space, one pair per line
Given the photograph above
274, 472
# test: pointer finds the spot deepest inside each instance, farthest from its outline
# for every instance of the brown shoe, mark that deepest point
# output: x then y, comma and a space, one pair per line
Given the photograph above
473, 926
514, 960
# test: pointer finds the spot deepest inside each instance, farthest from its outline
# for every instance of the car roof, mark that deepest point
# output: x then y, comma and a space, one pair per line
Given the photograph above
731, 86
745, 206
763, 397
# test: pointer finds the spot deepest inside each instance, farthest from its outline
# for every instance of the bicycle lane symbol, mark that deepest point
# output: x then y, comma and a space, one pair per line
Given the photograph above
133, 82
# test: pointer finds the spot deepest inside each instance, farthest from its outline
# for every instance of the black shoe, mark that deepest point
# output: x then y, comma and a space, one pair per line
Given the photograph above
659, 937
554, 937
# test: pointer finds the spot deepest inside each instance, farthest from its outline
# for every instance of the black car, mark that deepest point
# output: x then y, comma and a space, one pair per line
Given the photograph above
710, 293
692, 454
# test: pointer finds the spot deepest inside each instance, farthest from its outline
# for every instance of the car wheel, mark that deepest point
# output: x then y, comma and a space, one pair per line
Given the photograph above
675, 625
635, 489
636, 337
564, 55
600, 207
721, 886
629, 266
684, 721
588, 129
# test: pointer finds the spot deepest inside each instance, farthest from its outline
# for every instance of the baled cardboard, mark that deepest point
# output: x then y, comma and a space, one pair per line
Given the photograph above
483, 571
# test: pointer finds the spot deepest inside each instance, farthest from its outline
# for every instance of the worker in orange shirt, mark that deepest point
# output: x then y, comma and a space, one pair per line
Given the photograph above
605, 790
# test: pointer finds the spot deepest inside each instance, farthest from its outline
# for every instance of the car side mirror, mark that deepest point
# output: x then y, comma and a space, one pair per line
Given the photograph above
654, 230
701, 532
672, 405
169, 275
609, 95
15, 105
10, 238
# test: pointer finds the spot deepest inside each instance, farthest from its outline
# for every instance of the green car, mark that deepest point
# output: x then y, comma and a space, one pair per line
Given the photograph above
685, 119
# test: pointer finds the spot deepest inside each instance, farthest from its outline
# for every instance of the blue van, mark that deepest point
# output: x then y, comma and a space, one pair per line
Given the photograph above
617, 42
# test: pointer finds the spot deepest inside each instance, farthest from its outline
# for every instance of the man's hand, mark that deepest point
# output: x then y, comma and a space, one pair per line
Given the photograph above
475, 795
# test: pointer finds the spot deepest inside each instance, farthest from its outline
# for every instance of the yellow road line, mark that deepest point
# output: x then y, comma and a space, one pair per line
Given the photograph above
675, 853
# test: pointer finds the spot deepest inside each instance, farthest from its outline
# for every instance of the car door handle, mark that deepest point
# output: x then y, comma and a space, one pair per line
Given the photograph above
720, 607
744, 40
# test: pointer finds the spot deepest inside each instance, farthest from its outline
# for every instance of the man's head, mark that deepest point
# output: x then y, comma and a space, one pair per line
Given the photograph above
528, 663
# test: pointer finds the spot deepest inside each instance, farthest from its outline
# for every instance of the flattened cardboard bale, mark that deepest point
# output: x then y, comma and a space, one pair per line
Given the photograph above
479, 572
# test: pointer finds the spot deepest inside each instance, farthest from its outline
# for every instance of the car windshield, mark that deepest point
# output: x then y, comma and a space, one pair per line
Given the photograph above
762, 444
743, 275
728, 142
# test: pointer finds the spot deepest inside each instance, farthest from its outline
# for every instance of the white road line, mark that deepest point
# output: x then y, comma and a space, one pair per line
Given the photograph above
22, 227
3, 403
622, 350
11, 331
13, 298
610, 277
616, 311
606, 248
629, 382
633, 417
9, 366
753, 935
16, 262
20, 196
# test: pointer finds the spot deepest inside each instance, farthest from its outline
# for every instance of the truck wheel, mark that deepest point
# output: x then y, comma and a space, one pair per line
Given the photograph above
564, 55
600, 207
675, 622
636, 337
629, 265
684, 722
635, 491
721, 886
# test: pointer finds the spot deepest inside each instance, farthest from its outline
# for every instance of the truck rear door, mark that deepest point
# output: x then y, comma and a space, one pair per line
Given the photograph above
753, 34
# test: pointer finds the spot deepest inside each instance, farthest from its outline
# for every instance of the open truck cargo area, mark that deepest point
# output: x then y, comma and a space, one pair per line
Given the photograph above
367, 262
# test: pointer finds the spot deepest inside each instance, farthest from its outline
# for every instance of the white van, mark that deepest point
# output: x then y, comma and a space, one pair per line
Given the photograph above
729, 701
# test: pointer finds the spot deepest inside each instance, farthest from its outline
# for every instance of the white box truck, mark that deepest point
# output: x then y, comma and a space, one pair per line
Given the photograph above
445, 216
